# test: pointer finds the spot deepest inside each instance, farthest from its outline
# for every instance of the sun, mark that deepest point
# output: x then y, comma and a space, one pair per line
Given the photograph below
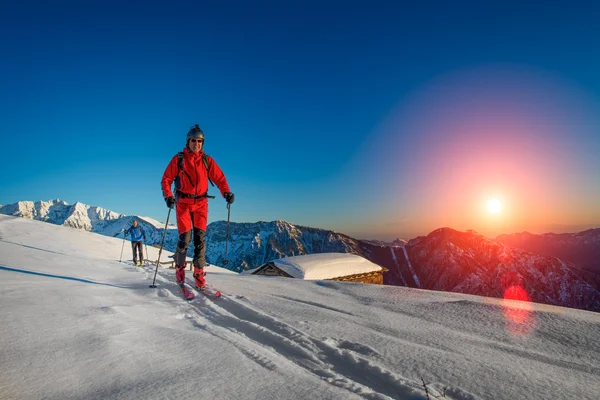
494, 206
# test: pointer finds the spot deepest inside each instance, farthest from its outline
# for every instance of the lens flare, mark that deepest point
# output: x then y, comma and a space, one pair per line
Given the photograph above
518, 312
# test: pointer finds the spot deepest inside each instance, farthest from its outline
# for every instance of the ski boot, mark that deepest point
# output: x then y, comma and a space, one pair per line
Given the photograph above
180, 277
199, 275
180, 274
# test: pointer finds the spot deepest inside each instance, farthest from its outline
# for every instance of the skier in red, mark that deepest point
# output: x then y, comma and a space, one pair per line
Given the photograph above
191, 170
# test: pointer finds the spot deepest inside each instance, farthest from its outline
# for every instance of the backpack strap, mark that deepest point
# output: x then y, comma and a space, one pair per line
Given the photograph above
180, 160
204, 160
180, 167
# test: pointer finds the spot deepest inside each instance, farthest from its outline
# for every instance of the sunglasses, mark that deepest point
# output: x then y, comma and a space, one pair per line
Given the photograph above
197, 140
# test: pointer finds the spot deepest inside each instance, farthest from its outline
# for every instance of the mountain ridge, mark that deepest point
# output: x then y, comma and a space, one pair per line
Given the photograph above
580, 248
445, 259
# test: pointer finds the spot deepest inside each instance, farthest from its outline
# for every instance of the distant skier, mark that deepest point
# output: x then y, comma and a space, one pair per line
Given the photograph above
191, 170
137, 233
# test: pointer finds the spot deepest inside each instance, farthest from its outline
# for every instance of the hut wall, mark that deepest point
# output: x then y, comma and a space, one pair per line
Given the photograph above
373, 277
270, 270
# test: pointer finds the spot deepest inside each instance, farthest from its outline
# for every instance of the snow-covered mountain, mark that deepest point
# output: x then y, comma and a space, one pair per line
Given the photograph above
90, 218
249, 244
78, 215
395, 243
467, 262
581, 249
253, 244
445, 260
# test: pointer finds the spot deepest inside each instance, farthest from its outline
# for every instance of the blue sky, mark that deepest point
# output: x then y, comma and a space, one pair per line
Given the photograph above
319, 113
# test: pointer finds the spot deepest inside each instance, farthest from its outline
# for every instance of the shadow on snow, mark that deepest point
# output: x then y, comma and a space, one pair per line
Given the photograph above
69, 278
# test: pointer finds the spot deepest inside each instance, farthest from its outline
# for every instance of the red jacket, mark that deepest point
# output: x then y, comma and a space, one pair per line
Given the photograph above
193, 177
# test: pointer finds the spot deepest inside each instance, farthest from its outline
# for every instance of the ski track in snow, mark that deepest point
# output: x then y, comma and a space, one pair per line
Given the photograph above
315, 304
268, 342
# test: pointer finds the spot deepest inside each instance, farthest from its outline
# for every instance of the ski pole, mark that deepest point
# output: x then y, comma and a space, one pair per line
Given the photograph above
121, 257
161, 247
227, 234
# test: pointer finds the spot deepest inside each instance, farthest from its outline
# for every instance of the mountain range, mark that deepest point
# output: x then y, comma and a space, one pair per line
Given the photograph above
557, 269
581, 249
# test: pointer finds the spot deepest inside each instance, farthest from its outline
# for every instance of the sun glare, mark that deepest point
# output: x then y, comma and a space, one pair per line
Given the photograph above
494, 206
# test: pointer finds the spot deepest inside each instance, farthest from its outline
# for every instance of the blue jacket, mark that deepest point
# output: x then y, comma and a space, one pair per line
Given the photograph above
136, 232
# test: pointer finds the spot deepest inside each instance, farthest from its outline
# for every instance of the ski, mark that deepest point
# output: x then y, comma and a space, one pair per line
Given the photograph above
187, 294
209, 291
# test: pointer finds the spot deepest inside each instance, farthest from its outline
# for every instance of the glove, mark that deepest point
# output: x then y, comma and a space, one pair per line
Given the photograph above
170, 202
229, 197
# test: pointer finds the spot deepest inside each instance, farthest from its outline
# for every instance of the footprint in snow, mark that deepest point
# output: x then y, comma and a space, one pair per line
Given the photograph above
352, 346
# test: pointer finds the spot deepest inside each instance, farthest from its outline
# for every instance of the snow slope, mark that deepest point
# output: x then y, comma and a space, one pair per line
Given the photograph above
76, 323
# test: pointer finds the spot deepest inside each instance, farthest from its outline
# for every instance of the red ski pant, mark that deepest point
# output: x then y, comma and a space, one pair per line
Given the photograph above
191, 215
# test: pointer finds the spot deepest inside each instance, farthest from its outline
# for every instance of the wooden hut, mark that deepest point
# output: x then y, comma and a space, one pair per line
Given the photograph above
324, 266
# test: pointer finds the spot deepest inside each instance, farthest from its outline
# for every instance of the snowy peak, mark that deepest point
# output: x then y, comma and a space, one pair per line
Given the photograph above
381, 243
50, 211
399, 242
93, 219
453, 235
87, 217
59, 212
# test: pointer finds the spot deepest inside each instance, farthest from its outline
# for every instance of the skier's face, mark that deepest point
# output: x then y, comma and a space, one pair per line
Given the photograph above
195, 144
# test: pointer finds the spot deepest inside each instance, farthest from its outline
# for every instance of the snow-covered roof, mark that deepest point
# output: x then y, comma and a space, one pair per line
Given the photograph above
325, 265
